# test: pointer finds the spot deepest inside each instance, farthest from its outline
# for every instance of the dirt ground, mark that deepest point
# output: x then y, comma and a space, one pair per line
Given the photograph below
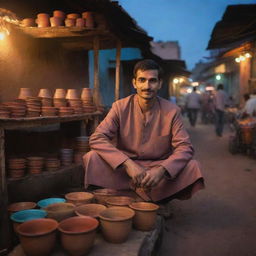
220, 220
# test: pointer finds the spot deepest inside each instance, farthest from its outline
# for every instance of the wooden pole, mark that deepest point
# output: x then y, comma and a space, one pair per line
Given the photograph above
96, 89
118, 61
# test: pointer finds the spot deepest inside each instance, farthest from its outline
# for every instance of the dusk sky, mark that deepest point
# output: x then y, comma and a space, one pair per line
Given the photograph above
189, 22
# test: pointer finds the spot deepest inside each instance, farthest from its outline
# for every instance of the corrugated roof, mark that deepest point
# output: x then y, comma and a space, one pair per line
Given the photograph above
238, 25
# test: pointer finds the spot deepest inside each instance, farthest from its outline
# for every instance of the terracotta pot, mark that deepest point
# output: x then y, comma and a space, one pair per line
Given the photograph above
122, 201
43, 20
70, 22
43, 16
101, 195
86, 93
247, 135
79, 198
92, 210
60, 94
73, 16
59, 14
80, 22
25, 92
72, 94
60, 211
37, 237
45, 93
116, 224
145, 215
89, 20
28, 22
78, 234
15, 207
56, 21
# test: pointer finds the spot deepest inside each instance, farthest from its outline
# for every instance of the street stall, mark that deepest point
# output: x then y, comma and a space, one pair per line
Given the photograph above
44, 130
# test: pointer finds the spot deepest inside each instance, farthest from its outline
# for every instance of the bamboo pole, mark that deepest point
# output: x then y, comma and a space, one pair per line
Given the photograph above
118, 61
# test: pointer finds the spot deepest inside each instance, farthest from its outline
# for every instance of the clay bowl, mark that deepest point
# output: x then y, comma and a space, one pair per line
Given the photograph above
37, 237
101, 195
78, 234
122, 201
48, 201
145, 215
60, 211
60, 93
92, 210
15, 207
72, 94
116, 223
45, 93
25, 92
78, 198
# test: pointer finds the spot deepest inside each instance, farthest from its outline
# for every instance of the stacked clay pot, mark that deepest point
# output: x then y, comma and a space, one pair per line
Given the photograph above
35, 164
46, 97
24, 93
28, 22
89, 19
87, 99
5, 112
92, 210
16, 167
59, 14
79, 198
17, 108
52, 164
81, 148
43, 20
59, 98
60, 211
66, 156
101, 195
33, 106
122, 201
66, 111
77, 105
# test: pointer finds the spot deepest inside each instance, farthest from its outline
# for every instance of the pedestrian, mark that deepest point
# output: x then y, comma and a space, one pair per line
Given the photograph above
250, 105
152, 151
193, 103
220, 102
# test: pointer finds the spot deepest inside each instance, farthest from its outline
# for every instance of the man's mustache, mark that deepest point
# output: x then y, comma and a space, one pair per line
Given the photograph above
147, 90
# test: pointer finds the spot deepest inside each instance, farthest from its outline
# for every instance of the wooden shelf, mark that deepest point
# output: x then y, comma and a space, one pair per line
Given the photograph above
25, 122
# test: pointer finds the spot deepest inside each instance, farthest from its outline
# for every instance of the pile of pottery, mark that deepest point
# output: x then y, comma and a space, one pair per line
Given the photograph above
87, 99
49, 111
78, 233
33, 106
74, 101
66, 156
35, 164
59, 98
52, 164
46, 97
59, 18
16, 167
81, 147
17, 108
5, 112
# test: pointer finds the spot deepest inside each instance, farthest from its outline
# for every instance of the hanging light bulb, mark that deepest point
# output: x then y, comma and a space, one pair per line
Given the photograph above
248, 55
242, 58
237, 59
175, 80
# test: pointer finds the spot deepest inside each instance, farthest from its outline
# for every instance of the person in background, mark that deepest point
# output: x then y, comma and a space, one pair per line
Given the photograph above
205, 106
193, 103
220, 102
250, 105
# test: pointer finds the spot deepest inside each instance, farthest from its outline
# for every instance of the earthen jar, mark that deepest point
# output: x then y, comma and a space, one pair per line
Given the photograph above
45, 93
56, 21
145, 215
60, 211
122, 201
70, 22
37, 237
78, 234
19, 206
43, 16
89, 20
86, 93
116, 224
101, 195
28, 22
73, 16
60, 94
78, 198
24, 93
43, 23
92, 210
72, 94
59, 14
80, 22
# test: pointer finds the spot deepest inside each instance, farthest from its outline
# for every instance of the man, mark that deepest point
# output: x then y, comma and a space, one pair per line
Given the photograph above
193, 103
250, 105
220, 102
152, 149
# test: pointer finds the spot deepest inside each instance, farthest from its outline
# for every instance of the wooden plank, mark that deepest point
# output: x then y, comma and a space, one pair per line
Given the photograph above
118, 61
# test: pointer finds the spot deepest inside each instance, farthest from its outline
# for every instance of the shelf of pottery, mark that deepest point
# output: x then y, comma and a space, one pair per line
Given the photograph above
62, 103
18, 167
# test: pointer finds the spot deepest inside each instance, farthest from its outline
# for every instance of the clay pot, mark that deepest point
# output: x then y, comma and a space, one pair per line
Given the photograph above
56, 21
37, 237
45, 93
43, 20
116, 224
78, 198
101, 195
43, 16
48, 201
60, 94
86, 94
72, 94
28, 22
60, 211
122, 201
70, 22
247, 135
59, 14
25, 92
73, 16
89, 19
80, 22
92, 210
78, 234
15, 207
145, 215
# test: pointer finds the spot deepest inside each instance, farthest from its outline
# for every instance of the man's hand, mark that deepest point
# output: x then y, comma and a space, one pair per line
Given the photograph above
135, 171
153, 177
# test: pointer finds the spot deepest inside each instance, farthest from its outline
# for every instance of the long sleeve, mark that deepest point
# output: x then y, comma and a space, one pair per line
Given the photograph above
101, 139
182, 148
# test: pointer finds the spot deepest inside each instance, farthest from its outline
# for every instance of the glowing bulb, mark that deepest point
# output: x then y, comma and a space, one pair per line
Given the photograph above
237, 60
181, 80
176, 80
2, 35
218, 77
248, 55
242, 58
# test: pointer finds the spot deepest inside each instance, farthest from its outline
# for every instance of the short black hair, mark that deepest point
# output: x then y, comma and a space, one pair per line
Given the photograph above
220, 87
147, 64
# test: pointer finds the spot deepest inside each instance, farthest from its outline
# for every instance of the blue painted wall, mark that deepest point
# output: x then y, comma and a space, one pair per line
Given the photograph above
107, 64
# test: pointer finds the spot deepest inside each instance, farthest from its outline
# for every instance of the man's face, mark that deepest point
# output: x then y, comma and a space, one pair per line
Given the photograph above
147, 83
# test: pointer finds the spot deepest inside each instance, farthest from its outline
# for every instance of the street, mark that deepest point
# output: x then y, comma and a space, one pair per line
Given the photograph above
220, 220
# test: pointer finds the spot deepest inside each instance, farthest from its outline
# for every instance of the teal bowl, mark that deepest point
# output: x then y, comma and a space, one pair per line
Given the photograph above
30, 214
48, 201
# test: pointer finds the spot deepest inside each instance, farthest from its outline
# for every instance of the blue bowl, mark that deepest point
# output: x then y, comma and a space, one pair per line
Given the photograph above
30, 214
45, 202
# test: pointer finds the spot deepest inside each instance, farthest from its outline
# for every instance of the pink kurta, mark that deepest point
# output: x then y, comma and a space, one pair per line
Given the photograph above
162, 140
